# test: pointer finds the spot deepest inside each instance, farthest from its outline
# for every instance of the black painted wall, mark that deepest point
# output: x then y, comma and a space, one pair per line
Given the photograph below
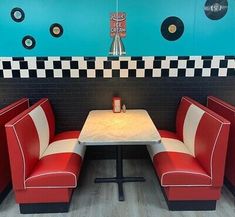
72, 99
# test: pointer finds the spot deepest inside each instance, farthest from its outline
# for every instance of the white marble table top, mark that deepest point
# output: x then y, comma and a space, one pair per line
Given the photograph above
134, 127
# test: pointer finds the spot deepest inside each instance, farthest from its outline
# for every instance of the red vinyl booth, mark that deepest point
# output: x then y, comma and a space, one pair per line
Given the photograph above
6, 114
227, 111
45, 167
190, 162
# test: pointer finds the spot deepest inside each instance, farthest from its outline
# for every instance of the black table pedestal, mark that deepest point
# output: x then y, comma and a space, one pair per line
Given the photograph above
119, 179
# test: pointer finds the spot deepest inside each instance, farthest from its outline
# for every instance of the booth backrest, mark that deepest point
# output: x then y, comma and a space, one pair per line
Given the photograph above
28, 136
6, 114
227, 111
205, 134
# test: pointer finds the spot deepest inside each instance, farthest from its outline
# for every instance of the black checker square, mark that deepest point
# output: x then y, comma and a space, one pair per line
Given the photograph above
66, 73
214, 72
33, 73
57, 64
6, 64
191, 64
90, 64
148, 73
140, 64
124, 64
40, 65
74, 64
206, 63
107, 64
132, 73
16, 73
23, 65
83, 73
223, 64
174, 64
99, 73
157, 64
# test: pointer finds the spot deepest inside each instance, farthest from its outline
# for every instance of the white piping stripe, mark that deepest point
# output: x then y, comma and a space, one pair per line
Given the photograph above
26, 114
186, 173
15, 106
222, 104
52, 173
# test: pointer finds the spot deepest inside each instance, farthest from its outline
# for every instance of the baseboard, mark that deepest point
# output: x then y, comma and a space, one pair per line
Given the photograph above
230, 186
186, 205
5, 192
44, 208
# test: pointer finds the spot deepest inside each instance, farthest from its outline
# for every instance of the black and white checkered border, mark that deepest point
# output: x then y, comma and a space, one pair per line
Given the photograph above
123, 67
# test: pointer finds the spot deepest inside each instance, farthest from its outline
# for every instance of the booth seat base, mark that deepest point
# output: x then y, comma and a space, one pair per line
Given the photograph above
230, 186
191, 205
5, 192
44, 208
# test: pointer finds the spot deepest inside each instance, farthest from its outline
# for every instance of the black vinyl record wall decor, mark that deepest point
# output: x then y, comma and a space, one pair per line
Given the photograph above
216, 9
172, 28
56, 30
28, 42
17, 14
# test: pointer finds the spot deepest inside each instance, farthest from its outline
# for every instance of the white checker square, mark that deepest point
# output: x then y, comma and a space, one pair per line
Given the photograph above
124, 73
148, 64
74, 73
190, 72
82, 64
165, 64
24, 73
125, 58
91, 73
115, 64
215, 63
168, 58
231, 64
140, 73
223, 72
58, 73
182, 64
101, 58
195, 58
198, 64
15, 65
157, 73
132, 64
49, 64
41, 73
107, 73
65, 64
99, 64
173, 72
54, 58
7, 73
206, 72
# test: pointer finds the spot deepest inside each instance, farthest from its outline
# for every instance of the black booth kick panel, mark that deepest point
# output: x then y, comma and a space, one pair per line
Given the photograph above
72, 99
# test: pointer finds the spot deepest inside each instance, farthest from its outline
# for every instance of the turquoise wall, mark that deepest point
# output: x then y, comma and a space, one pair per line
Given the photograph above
86, 28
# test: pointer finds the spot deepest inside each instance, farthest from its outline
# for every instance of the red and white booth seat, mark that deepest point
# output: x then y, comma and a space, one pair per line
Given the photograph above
45, 167
190, 162
6, 114
227, 111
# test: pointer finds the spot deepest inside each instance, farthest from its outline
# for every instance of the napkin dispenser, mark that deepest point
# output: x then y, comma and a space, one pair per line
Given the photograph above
116, 104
